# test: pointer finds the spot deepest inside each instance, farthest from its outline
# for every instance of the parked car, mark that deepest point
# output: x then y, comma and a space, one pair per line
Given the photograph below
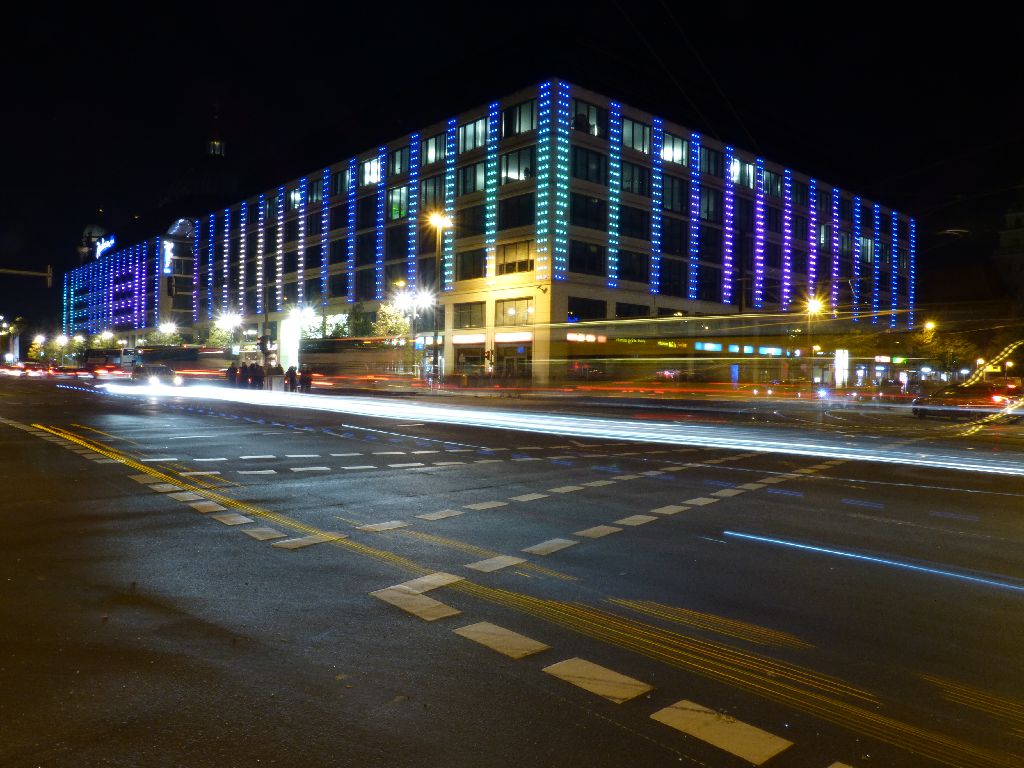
968, 400
156, 374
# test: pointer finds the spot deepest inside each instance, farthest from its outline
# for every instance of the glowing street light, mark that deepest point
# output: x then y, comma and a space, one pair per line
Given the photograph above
168, 328
39, 339
929, 326
61, 340
107, 335
814, 307
440, 222
228, 321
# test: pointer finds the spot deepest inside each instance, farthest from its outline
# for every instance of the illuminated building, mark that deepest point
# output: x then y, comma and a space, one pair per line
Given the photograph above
567, 207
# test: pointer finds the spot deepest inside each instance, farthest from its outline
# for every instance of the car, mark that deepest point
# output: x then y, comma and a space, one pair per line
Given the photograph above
156, 374
967, 400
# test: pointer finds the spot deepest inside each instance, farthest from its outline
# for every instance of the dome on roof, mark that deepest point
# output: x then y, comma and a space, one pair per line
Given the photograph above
93, 232
181, 228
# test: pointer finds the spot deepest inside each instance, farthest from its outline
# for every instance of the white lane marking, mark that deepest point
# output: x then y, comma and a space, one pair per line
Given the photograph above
166, 487
840, 765
408, 425
389, 453
734, 736
308, 541
185, 496
205, 507
257, 471
447, 463
653, 473
597, 679
421, 606
597, 531
751, 486
413, 452
671, 509
160, 458
550, 546
530, 497
487, 505
635, 520
565, 489
345, 454
803, 472
673, 469
459, 450
527, 458
310, 469
107, 461
598, 483
408, 464
497, 563
194, 474
700, 501
218, 458
190, 437
261, 456
502, 640
444, 513
627, 477
360, 466
726, 493
378, 527
487, 461
431, 581
264, 534
231, 518
302, 455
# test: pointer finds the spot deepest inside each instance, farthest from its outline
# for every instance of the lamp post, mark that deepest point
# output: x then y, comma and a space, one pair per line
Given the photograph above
440, 222
814, 307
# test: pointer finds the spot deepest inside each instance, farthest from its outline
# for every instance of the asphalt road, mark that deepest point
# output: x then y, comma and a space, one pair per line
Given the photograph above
193, 583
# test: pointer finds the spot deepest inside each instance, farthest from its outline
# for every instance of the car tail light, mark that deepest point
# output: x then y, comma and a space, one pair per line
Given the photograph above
998, 399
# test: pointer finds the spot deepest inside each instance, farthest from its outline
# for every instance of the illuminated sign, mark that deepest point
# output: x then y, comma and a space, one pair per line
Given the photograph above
514, 336
104, 244
882, 358
899, 360
769, 351
168, 256
595, 338
708, 346
469, 338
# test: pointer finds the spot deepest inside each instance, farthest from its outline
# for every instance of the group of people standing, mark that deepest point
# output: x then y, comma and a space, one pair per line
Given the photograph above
253, 376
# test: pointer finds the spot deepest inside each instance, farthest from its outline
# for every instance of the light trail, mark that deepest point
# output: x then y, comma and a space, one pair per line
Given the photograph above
879, 560
716, 436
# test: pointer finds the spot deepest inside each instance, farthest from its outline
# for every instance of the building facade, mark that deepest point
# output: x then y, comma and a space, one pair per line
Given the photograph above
567, 209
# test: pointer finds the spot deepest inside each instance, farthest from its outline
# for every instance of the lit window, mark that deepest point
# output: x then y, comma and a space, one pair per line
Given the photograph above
673, 149
369, 172
398, 203
432, 149
513, 311
473, 135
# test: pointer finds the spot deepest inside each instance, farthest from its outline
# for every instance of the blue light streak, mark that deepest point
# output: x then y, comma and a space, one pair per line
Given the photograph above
615, 189
694, 243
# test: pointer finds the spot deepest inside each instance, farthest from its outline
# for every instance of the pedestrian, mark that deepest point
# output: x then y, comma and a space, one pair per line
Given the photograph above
259, 376
232, 374
253, 376
306, 380
290, 379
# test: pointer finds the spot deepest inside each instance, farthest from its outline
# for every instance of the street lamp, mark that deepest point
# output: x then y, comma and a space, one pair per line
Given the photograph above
169, 328
440, 222
814, 307
984, 372
929, 326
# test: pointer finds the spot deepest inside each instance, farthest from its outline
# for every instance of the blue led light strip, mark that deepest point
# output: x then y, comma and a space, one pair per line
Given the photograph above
225, 289
615, 189
875, 266
300, 253
447, 275
195, 271
787, 240
325, 229
65, 323
243, 223
812, 239
413, 239
694, 241
279, 276
542, 262
657, 206
759, 235
912, 277
491, 189
211, 250
834, 292
856, 259
158, 255
351, 264
261, 245
894, 264
560, 253
728, 218
378, 268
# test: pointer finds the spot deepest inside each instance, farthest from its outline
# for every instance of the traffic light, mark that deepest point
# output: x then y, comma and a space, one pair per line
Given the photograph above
264, 344
489, 355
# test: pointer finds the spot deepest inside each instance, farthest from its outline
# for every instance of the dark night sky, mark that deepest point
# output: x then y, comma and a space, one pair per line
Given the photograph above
104, 109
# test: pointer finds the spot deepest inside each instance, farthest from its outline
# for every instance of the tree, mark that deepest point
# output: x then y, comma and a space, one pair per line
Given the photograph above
160, 339
390, 322
359, 321
36, 351
218, 337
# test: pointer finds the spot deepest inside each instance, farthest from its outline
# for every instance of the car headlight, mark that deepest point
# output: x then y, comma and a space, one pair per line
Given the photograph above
178, 381
154, 380
822, 393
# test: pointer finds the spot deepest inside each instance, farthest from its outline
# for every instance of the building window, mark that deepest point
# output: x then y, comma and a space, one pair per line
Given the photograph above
339, 182
366, 285
710, 204
398, 162
636, 179
366, 248
366, 212
396, 242
513, 311
398, 203
675, 195
519, 119
636, 135
631, 310
674, 149
588, 259
772, 184
294, 199
470, 315
799, 227
589, 165
338, 284
674, 276
470, 178
315, 191
469, 265
432, 149
634, 266
518, 165
518, 211
634, 222
773, 218
711, 162
845, 208
369, 172
472, 135
675, 235
586, 309
470, 221
291, 230
589, 212
432, 193
590, 119
514, 257
709, 283
799, 193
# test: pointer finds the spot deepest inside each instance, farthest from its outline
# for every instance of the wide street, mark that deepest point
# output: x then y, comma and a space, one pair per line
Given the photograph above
320, 581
